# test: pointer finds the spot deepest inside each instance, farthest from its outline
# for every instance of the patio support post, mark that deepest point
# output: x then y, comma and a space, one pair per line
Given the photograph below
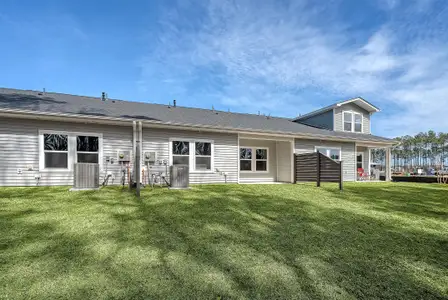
388, 166
369, 152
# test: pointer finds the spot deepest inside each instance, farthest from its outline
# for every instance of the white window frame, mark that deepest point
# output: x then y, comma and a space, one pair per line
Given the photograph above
254, 159
86, 152
72, 156
192, 154
328, 152
353, 122
42, 156
240, 159
195, 155
189, 150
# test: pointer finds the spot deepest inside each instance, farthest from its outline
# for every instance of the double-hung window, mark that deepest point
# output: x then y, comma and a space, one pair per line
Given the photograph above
333, 153
358, 122
348, 116
198, 155
253, 159
203, 156
181, 153
261, 160
55, 151
246, 159
60, 150
87, 149
352, 121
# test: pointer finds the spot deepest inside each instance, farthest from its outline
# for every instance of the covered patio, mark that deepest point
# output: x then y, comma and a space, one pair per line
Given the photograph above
364, 161
265, 159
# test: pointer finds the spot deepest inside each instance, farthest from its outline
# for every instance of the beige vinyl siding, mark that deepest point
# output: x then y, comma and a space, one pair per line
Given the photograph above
19, 148
225, 152
347, 154
271, 175
284, 163
338, 117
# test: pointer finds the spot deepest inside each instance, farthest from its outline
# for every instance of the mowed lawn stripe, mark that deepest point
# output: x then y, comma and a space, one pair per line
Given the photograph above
373, 240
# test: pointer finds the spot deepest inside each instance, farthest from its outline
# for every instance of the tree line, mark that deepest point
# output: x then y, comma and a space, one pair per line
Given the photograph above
423, 150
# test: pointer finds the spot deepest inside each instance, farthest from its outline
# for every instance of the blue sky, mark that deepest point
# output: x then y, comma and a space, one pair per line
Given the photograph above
279, 57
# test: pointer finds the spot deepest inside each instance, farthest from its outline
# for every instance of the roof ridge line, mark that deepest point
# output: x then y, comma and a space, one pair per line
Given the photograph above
152, 103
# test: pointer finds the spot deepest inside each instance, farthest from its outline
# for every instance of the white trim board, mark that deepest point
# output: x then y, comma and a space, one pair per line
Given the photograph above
238, 160
367, 104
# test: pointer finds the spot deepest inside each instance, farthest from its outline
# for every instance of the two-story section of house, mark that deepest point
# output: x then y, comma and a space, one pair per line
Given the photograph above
350, 116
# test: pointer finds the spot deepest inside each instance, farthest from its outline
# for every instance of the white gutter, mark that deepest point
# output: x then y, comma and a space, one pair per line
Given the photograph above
174, 125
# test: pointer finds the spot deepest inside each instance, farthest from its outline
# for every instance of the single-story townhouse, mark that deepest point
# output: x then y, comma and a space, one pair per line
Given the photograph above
43, 134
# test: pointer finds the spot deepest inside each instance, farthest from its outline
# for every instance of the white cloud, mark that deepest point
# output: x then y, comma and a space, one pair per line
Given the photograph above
268, 56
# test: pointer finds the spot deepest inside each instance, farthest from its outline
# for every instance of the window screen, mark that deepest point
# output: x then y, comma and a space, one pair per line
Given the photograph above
203, 156
261, 158
348, 121
87, 149
245, 159
358, 123
55, 151
181, 152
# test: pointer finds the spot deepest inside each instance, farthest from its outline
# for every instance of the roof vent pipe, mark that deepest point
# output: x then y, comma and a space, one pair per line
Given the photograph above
174, 103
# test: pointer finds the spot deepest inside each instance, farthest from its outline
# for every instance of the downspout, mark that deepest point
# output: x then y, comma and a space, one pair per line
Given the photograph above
138, 156
140, 139
134, 145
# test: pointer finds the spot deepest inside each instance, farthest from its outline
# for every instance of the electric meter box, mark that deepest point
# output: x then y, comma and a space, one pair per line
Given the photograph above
150, 157
124, 156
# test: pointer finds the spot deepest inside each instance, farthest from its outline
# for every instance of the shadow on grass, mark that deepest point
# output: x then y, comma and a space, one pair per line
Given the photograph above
405, 198
225, 241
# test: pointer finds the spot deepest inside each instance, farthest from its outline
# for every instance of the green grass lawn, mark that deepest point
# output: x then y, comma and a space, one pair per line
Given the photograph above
374, 240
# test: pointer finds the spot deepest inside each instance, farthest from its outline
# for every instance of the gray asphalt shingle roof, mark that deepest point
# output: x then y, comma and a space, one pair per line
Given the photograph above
91, 106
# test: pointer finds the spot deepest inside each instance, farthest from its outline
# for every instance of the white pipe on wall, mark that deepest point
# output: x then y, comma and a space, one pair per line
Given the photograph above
140, 137
134, 143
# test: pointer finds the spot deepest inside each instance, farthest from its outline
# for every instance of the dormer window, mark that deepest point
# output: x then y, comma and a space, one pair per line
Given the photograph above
358, 122
352, 121
348, 121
